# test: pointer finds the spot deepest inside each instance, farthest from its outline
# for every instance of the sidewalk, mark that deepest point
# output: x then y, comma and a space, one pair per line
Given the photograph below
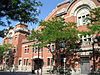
43, 74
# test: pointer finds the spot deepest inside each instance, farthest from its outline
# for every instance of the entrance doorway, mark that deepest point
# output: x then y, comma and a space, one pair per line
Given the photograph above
85, 65
37, 64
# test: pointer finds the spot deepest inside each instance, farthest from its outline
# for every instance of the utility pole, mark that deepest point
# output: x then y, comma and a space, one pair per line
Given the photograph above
38, 62
93, 56
64, 65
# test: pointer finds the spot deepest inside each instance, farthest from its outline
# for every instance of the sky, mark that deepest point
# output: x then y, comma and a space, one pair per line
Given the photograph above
48, 6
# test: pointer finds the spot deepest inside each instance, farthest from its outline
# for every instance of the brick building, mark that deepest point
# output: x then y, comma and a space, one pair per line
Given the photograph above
76, 11
72, 11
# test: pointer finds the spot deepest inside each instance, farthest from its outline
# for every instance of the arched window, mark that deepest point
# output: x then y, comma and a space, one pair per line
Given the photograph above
82, 14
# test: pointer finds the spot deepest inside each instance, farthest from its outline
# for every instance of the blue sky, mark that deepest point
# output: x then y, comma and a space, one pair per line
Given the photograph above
48, 6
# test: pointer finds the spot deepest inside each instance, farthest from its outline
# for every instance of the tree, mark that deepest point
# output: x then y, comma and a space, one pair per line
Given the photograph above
94, 19
64, 35
24, 11
94, 26
6, 54
94, 29
56, 30
4, 48
93, 22
95, 16
1, 53
19, 10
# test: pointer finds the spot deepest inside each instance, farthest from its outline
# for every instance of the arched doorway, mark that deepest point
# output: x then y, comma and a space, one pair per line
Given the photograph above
37, 64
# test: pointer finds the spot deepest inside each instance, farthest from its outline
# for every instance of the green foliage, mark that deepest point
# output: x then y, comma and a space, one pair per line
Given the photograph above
1, 50
34, 35
19, 10
84, 33
94, 26
7, 46
95, 20
4, 47
4, 50
1, 53
95, 15
56, 31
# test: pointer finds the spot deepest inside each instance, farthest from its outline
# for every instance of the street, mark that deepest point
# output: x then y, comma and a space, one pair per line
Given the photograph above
16, 73
20, 73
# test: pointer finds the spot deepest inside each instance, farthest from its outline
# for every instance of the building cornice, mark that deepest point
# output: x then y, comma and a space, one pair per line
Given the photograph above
28, 41
62, 3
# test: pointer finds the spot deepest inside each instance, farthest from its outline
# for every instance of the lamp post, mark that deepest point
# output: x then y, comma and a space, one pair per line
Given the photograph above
51, 49
64, 65
62, 46
93, 56
38, 60
95, 40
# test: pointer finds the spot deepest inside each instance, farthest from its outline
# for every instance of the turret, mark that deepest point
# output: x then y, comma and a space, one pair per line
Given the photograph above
21, 28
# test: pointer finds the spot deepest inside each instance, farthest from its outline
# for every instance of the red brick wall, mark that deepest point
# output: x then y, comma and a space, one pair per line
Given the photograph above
70, 19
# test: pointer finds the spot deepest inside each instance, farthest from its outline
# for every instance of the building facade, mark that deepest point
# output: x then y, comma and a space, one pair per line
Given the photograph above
25, 54
77, 11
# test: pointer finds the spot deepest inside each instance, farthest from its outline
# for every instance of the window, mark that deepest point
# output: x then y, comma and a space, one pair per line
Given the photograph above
14, 50
82, 14
26, 49
15, 37
24, 61
85, 39
51, 61
10, 40
83, 19
89, 39
84, 36
79, 20
81, 40
48, 61
10, 33
79, 17
20, 62
36, 49
53, 48
80, 36
33, 49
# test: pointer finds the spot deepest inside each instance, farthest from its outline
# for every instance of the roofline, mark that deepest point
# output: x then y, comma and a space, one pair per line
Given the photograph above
70, 5
28, 41
22, 24
64, 2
